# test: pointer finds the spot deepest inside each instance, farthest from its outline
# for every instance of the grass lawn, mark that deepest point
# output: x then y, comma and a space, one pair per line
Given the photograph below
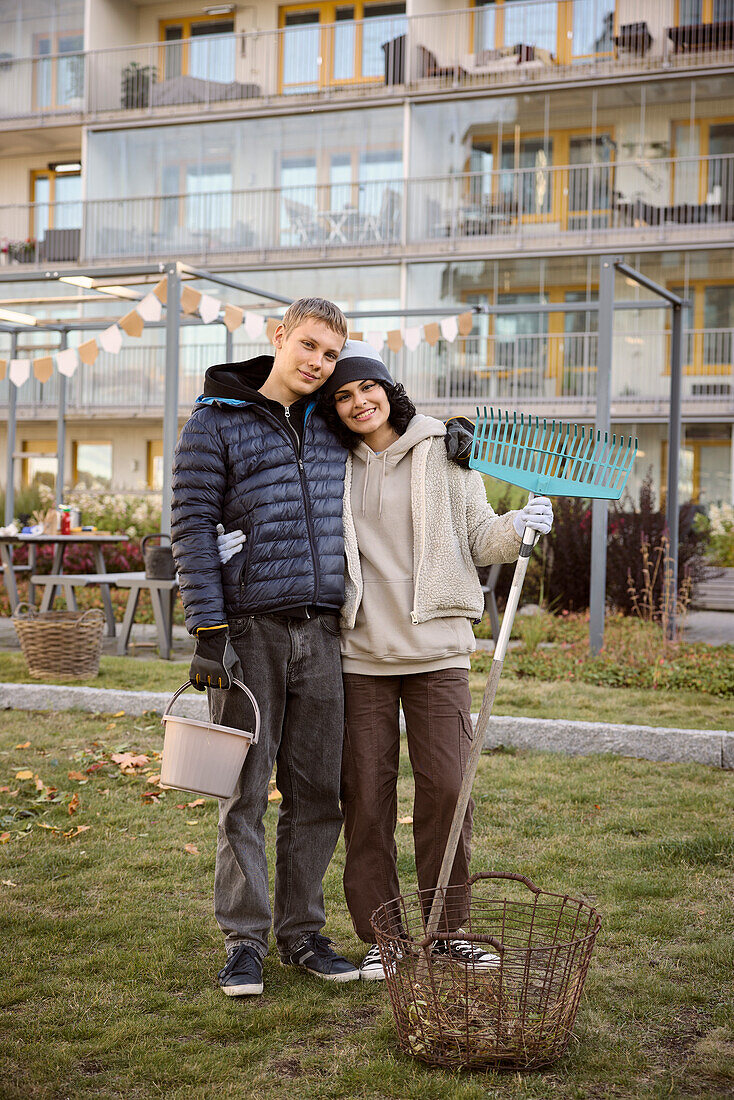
111, 949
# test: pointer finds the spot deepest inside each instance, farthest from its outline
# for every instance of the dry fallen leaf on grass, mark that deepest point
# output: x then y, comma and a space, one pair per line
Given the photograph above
4, 838
74, 804
192, 849
9, 882
151, 796
80, 777
129, 761
75, 832
39, 784
196, 802
192, 822
405, 821
119, 714
25, 774
25, 745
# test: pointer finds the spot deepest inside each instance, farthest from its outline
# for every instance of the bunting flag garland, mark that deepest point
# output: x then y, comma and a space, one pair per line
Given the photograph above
233, 317
432, 333
449, 329
67, 361
88, 352
190, 299
150, 308
254, 325
356, 336
19, 371
394, 340
161, 291
376, 340
43, 368
3, 368
132, 323
465, 322
270, 327
209, 308
412, 337
110, 340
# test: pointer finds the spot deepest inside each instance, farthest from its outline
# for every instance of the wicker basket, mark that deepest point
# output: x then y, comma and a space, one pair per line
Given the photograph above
60, 644
517, 1013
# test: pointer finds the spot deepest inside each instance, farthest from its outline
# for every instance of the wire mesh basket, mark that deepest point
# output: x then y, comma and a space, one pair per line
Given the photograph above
516, 1008
60, 644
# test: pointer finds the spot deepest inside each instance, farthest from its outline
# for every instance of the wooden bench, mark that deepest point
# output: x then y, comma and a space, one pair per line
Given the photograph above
162, 595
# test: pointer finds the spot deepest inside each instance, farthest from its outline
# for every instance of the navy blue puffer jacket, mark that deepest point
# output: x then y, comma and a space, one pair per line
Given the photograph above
237, 465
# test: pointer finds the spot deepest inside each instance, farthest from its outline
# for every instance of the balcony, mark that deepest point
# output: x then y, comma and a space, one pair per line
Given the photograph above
495, 45
623, 205
545, 372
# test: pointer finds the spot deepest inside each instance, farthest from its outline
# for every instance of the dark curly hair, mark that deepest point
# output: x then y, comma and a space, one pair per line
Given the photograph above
402, 411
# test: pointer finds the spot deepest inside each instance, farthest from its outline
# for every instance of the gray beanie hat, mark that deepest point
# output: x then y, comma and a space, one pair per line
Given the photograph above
357, 361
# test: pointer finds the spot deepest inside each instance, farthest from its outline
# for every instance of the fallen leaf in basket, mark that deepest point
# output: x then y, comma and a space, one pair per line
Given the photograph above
25, 745
405, 821
74, 804
80, 777
275, 795
26, 774
4, 838
75, 832
192, 849
196, 802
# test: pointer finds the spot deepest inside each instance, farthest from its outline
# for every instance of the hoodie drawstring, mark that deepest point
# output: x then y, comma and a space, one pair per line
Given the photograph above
370, 456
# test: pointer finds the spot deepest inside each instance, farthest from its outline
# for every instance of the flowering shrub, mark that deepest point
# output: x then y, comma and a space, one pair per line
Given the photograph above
718, 527
118, 513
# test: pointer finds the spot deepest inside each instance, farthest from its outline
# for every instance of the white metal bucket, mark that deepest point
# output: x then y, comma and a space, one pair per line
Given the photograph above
201, 756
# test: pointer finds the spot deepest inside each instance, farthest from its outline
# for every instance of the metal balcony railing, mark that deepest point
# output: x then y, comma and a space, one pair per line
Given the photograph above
493, 44
654, 200
546, 370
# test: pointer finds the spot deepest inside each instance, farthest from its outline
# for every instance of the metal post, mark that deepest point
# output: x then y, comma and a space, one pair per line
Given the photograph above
61, 429
228, 345
170, 400
597, 594
12, 406
674, 439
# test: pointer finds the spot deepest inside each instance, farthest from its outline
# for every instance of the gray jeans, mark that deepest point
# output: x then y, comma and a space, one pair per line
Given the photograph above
293, 668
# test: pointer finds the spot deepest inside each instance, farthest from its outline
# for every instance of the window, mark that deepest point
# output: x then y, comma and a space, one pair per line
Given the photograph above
56, 198
508, 23
208, 198
40, 466
593, 28
708, 327
525, 179
92, 463
297, 199
520, 345
589, 189
59, 75
327, 43
155, 464
202, 47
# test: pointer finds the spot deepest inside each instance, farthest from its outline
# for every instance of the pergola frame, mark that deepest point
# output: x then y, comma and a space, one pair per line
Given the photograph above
605, 306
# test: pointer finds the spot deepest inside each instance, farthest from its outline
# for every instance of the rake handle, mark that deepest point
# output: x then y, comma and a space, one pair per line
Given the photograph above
480, 733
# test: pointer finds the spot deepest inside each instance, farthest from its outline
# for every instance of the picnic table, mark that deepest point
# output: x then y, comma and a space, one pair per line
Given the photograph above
57, 578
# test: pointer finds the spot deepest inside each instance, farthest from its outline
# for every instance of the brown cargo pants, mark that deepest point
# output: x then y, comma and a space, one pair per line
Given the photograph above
437, 709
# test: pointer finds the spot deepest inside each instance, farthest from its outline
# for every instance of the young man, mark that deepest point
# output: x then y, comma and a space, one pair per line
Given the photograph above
256, 455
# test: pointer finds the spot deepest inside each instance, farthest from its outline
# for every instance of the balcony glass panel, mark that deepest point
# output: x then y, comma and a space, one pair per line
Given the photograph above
530, 190
530, 24
68, 194
22, 24
301, 51
718, 314
345, 44
382, 23
212, 58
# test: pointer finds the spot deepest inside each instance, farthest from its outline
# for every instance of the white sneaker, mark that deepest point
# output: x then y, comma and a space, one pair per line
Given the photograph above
372, 969
465, 952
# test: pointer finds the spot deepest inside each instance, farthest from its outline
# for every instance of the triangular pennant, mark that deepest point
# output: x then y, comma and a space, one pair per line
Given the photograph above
394, 340
432, 333
132, 323
161, 291
412, 337
110, 339
209, 308
449, 328
375, 339
190, 299
150, 308
3, 368
272, 324
88, 352
356, 336
67, 361
43, 368
254, 325
233, 317
465, 321
19, 370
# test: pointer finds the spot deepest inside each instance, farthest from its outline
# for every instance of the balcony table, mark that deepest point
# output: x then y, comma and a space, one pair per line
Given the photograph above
60, 543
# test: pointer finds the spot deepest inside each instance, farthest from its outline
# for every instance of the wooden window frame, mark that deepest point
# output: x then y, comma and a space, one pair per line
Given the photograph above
52, 175
47, 447
76, 443
564, 54
51, 59
703, 126
697, 367
154, 449
185, 22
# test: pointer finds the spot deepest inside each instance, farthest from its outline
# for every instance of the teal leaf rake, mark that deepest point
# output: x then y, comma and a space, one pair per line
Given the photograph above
553, 459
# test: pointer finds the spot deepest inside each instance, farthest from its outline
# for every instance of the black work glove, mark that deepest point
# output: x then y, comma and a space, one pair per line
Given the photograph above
214, 658
458, 439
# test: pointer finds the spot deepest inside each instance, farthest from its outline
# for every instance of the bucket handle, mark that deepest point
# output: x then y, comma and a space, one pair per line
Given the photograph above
504, 874
239, 684
157, 535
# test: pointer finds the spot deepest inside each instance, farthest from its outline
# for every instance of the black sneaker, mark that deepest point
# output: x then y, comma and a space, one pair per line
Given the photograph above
242, 974
312, 953
464, 952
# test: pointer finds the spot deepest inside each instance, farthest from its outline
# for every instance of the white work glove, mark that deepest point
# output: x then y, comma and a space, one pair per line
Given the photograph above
229, 543
537, 515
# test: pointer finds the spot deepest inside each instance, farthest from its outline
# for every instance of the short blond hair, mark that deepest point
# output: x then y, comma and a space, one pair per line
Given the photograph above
320, 309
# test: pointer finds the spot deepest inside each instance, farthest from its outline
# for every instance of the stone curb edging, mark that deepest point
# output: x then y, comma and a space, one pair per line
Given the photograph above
712, 747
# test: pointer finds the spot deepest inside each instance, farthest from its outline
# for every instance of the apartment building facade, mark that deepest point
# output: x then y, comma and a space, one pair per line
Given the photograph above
417, 155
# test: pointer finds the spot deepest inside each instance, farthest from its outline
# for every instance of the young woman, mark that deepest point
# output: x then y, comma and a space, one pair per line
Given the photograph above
416, 525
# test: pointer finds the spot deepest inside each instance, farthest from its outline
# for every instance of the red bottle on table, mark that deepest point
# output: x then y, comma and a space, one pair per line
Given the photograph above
65, 522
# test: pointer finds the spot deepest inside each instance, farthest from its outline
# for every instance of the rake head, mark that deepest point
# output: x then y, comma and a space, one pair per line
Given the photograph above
554, 459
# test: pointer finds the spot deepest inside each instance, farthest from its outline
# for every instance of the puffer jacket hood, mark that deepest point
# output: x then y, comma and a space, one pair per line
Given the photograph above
420, 427
238, 381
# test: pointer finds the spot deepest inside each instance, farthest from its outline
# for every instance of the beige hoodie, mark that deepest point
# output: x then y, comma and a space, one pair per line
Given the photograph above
415, 526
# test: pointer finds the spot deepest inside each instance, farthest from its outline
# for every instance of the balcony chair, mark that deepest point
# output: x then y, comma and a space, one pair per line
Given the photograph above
634, 38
